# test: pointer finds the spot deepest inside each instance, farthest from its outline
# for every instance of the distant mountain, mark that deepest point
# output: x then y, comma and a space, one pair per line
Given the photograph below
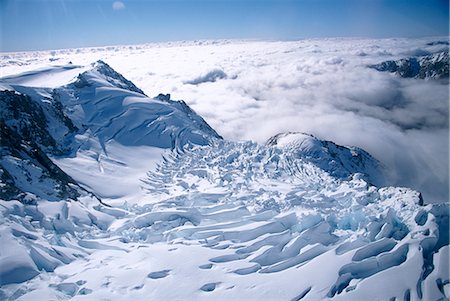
434, 43
430, 66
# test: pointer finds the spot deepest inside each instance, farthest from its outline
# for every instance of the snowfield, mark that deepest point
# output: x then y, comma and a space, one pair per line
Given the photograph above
109, 194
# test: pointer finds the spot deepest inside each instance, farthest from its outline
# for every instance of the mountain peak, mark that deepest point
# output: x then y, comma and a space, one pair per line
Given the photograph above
99, 107
100, 73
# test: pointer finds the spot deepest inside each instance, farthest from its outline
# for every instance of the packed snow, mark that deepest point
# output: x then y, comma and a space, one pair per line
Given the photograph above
49, 77
164, 208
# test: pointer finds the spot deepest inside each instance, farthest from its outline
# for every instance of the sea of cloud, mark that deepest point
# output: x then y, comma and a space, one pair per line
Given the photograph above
252, 90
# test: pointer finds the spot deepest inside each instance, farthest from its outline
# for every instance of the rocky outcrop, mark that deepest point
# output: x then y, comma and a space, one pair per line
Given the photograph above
430, 66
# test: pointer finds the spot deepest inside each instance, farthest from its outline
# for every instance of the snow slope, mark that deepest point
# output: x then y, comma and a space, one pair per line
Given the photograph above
48, 77
293, 219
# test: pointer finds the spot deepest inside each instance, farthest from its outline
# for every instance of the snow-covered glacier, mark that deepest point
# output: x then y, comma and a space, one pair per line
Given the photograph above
108, 194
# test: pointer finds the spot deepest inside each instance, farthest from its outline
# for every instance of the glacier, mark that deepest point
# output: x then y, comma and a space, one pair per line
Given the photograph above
110, 194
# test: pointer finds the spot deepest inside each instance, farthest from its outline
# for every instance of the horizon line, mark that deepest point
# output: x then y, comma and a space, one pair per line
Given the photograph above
447, 37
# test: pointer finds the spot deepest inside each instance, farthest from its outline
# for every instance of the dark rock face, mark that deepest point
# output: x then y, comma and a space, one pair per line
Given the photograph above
434, 66
429, 66
434, 43
25, 118
210, 77
8, 189
25, 142
409, 68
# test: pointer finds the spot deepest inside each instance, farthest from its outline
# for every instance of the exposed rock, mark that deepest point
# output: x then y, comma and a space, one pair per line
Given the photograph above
429, 66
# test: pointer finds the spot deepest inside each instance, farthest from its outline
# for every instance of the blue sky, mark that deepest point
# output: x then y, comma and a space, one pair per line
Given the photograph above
52, 24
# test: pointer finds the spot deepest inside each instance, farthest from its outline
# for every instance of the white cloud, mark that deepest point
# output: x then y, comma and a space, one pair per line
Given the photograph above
118, 5
322, 87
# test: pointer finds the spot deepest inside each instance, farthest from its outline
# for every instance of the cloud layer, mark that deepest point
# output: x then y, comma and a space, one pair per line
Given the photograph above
322, 87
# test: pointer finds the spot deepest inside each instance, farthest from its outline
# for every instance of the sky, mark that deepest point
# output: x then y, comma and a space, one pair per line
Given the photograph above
56, 24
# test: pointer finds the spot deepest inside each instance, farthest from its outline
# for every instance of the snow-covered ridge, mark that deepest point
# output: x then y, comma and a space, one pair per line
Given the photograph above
339, 161
293, 219
98, 106
114, 108
101, 74
49, 77
429, 66
108, 105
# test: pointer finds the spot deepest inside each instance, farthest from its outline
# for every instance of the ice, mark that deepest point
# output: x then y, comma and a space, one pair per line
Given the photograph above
159, 274
68, 289
43, 260
227, 258
371, 266
166, 209
22, 232
96, 245
302, 295
251, 269
209, 287
374, 248
17, 269
437, 283
206, 266
294, 260
150, 218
